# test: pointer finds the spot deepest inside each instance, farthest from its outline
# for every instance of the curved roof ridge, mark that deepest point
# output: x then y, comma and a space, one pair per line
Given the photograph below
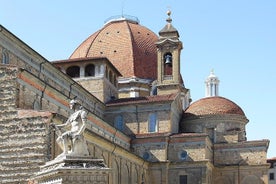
89, 37
141, 39
129, 46
132, 39
95, 37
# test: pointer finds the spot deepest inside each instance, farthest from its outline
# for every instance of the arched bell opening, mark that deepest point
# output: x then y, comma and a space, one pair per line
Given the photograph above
90, 70
168, 61
73, 71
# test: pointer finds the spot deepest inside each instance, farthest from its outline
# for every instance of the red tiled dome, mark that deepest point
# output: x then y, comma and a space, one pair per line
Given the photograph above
129, 46
213, 105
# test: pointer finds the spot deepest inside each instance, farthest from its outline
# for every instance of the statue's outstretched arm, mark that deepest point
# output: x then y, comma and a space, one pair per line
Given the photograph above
64, 124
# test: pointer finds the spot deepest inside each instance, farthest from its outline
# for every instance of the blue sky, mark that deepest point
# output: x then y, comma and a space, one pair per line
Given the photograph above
236, 38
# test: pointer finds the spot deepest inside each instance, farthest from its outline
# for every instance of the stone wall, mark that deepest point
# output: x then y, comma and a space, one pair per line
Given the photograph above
190, 148
226, 128
152, 149
249, 153
240, 174
176, 114
136, 117
31, 62
125, 166
170, 172
24, 134
95, 87
26, 142
133, 87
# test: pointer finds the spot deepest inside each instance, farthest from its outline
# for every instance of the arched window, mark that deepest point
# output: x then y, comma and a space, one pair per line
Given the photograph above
114, 80
152, 122
89, 70
5, 57
106, 73
73, 71
154, 90
110, 76
119, 122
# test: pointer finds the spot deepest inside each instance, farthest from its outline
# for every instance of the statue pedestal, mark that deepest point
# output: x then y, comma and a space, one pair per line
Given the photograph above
72, 169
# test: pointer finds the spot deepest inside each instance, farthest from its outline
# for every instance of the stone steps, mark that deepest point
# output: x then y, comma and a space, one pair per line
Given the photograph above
8, 94
4, 114
23, 147
19, 132
22, 140
9, 85
18, 166
7, 104
16, 177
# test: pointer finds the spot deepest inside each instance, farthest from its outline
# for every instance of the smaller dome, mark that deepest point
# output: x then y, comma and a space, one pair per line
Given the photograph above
213, 105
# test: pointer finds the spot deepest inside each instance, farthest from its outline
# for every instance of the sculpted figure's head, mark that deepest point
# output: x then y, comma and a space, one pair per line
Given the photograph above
74, 104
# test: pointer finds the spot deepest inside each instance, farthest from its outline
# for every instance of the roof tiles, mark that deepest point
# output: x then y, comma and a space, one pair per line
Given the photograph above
129, 46
213, 105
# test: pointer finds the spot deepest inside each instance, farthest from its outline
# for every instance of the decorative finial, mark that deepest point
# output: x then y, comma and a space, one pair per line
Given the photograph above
169, 12
169, 20
123, 6
212, 71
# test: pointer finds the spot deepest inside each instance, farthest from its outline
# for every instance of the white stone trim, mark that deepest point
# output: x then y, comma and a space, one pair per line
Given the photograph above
122, 80
133, 89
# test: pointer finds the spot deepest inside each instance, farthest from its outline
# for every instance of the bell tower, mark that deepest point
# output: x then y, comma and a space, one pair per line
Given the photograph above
168, 60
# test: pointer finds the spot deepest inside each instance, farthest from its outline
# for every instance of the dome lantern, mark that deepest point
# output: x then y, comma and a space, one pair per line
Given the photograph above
212, 85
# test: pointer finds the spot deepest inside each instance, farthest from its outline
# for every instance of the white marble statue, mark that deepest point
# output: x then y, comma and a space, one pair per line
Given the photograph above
70, 134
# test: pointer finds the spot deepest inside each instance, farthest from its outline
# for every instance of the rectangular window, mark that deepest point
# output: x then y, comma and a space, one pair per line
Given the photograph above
271, 176
119, 122
152, 123
183, 179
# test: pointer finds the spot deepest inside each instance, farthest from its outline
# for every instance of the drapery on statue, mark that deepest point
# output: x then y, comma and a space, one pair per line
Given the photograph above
72, 141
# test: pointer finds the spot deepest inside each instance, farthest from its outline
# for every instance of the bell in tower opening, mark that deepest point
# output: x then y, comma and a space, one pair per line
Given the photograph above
168, 64
168, 59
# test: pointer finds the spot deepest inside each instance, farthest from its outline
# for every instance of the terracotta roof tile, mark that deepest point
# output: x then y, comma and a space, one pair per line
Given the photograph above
213, 105
77, 60
189, 135
129, 46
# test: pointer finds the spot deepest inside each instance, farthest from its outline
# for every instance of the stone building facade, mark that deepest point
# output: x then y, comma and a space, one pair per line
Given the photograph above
140, 119
272, 170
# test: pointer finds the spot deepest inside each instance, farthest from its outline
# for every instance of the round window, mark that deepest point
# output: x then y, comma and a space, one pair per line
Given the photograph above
146, 156
183, 155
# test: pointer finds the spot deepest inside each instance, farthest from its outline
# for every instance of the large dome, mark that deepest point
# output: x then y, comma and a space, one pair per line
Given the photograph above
213, 105
129, 46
